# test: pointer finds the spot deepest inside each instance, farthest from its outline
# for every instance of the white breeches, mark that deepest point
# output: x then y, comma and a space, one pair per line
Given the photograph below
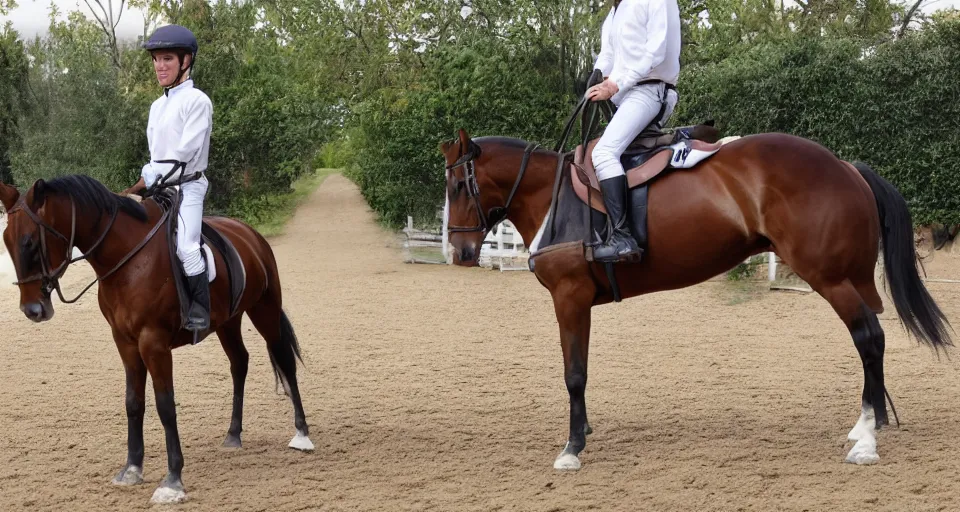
189, 222
638, 108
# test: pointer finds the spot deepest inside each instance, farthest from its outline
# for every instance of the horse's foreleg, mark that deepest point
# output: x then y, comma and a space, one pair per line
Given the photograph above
132, 472
572, 302
155, 350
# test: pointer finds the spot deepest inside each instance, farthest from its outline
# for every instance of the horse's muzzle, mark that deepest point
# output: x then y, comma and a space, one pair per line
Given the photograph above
468, 255
38, 311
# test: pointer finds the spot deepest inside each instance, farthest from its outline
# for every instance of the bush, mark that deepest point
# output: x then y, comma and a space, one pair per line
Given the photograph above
397, 132
891, 106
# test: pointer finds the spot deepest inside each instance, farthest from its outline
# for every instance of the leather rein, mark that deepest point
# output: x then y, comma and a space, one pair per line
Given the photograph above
50, 277
497, 214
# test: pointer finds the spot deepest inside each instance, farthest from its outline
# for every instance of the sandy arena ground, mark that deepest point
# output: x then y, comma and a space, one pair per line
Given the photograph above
436, 388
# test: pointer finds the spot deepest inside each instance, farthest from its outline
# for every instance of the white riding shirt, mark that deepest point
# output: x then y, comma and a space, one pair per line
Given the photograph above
178, 129
640, 40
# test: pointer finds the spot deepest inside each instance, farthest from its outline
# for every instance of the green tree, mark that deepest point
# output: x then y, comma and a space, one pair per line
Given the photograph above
13, 96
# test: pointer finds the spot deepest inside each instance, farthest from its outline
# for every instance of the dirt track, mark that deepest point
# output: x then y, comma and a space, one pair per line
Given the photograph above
431, 387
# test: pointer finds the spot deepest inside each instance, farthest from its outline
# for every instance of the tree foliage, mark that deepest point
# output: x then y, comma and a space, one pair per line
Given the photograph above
889, 105
376, 85
13, 96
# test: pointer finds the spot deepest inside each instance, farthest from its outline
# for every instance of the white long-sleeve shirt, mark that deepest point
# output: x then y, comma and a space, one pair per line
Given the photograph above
178, 129
640, 40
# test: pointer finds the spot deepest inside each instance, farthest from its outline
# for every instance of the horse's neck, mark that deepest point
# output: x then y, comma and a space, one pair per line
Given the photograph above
124, 236
532, 201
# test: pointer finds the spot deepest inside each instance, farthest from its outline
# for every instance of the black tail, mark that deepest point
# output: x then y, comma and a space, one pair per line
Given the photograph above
918, 312
284, 355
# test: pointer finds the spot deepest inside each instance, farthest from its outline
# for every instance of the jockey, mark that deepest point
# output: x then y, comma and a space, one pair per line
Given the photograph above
640, 62
178, 133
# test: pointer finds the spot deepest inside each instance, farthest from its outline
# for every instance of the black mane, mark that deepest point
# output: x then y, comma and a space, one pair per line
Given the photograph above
89, 194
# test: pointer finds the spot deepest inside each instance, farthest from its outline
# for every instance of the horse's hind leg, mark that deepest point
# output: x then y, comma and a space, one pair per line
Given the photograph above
231, 338
868, 338
284, 350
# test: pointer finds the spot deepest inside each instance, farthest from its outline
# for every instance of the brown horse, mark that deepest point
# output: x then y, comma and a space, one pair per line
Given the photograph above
768, 192
123, 243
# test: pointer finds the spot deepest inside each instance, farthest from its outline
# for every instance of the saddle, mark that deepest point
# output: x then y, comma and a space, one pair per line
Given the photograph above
651, 154
169, 200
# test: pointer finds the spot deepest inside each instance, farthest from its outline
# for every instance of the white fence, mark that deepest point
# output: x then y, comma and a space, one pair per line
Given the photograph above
7, 272
503, 248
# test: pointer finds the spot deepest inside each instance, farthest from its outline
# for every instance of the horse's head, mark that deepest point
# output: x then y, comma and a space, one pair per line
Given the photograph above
39, 251
470, 215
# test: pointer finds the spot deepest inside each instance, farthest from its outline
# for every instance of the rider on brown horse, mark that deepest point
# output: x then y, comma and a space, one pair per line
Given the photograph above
640, 60
178, 133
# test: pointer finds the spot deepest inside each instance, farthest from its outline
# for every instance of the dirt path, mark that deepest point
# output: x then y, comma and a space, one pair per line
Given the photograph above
439, 388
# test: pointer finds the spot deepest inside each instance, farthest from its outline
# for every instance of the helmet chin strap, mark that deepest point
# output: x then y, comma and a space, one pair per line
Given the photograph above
180, 72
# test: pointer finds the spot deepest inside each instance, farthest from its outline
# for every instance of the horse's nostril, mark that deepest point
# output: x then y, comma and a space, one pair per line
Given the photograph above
34, 311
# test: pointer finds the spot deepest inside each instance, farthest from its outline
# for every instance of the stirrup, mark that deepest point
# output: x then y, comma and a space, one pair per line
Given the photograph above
627, 257
620, 256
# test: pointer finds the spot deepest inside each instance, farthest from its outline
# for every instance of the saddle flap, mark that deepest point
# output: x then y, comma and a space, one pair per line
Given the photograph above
210, 238
236, 273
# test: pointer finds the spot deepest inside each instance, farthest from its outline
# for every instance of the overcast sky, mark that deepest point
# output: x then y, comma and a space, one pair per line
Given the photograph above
31, 16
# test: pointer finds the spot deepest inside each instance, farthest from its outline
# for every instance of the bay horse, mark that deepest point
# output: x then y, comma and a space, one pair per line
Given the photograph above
824, 217
122, 241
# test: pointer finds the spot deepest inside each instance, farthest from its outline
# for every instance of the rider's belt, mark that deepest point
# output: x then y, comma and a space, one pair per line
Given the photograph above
667, 85
191, 177
658, 120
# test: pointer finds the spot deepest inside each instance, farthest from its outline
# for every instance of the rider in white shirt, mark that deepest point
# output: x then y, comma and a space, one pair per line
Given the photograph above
178, 133
640, 60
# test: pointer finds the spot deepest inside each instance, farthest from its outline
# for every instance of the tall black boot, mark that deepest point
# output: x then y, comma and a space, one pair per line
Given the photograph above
198, 316
620, 245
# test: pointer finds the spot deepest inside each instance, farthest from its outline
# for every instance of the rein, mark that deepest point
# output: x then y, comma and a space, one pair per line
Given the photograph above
473, 189
467, 161
50, 278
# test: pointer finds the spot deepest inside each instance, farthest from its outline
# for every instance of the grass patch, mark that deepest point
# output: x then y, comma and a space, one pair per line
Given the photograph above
739, 292
432, 254
273, 211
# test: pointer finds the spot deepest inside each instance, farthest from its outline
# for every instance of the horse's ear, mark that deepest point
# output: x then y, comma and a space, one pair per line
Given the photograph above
464, 141
708, 122
8, 196
39, 193
446, 145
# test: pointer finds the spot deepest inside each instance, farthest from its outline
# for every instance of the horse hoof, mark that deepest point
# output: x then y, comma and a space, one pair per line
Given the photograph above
168, 495
129, 475
301, 442
859, 432
567, 462
864, 452
231, 441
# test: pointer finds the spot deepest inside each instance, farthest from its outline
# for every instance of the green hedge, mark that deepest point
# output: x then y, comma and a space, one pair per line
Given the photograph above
894, 106
484, 89
89, 116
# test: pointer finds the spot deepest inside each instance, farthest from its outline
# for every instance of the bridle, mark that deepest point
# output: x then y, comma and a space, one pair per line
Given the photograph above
50, 277
497, 214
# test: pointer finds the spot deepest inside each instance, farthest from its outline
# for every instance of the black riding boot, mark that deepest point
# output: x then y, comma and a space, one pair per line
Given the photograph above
198, 316
620, 245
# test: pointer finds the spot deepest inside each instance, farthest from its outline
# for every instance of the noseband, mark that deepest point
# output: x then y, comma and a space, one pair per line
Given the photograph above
486, 221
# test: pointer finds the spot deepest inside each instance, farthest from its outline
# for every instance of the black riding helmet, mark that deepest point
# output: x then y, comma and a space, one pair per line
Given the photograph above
174, 37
